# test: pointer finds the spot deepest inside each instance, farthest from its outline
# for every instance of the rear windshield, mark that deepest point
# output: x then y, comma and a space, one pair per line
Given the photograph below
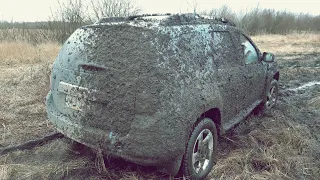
104, 44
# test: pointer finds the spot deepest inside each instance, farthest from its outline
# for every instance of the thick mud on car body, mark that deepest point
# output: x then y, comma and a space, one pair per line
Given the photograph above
137, 88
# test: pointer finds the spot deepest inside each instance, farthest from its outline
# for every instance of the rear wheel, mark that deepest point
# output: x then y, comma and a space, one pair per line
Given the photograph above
200, 152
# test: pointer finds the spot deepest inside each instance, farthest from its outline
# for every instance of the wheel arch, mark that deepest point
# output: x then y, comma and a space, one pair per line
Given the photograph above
215, 115
276, 76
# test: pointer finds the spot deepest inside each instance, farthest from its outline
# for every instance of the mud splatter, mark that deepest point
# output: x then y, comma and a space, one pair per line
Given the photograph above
156, 79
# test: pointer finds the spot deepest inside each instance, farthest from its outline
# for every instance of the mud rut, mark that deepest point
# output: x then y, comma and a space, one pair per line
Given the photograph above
299, 91
299, 97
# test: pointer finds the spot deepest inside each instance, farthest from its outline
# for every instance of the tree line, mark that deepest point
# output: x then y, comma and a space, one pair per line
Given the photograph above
72, 14
269, 21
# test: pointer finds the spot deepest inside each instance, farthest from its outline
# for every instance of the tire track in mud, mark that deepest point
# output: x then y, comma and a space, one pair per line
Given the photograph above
304, 86
31, 144
306, 99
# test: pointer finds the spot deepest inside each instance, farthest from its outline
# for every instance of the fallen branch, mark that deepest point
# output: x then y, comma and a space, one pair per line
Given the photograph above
31, 144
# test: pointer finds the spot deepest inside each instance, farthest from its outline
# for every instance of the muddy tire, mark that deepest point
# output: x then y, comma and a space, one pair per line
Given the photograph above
271, 98
201, 150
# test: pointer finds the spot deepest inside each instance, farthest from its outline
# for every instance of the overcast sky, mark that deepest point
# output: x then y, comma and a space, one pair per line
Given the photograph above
37, 10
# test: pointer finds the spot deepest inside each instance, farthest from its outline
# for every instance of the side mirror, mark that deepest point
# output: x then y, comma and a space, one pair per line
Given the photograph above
267, 57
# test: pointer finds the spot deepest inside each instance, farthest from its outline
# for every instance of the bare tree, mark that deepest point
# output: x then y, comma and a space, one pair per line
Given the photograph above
193, 4
113, 8
223, 12
71, 11
69, 15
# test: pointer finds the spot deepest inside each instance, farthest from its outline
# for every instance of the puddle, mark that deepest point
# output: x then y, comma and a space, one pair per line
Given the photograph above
309, 84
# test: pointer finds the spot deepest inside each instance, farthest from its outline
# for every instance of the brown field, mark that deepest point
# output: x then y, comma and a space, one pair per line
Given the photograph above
35, 36
285, 145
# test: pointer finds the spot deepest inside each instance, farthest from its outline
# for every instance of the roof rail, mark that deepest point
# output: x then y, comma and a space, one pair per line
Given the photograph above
128, 18
225, 21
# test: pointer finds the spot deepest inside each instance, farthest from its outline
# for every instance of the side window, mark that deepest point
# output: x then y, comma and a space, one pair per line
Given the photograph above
224, 49
250, 53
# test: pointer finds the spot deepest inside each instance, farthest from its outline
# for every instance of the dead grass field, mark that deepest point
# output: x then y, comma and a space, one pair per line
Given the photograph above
293, 43
285, 145
35, 36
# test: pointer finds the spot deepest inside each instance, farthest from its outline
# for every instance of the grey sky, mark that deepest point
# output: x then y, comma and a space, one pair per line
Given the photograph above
36, 10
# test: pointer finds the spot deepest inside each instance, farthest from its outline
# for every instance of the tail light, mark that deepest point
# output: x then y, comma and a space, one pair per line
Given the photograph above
92, 68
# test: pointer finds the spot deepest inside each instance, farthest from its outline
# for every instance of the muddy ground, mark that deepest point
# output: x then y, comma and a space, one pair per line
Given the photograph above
285, 145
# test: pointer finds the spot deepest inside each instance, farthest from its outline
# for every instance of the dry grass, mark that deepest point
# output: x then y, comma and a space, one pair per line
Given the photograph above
283, 146
24, 79
290, 38
315, 102
291, 43
45, 162
275, 148
35, 36
22, 97
12, 53
4, 172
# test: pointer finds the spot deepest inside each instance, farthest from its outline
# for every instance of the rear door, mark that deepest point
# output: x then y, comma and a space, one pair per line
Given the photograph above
229, 73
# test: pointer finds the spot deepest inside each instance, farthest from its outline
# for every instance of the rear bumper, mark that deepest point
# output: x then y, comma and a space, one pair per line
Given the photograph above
150, 145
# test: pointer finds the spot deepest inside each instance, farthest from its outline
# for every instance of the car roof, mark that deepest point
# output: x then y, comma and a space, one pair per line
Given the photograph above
169, 19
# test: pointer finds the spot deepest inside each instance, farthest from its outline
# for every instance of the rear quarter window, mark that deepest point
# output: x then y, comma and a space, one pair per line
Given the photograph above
224, 49
190, 47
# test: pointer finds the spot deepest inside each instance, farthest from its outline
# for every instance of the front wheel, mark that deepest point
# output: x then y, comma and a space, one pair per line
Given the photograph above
200, 155
271, 97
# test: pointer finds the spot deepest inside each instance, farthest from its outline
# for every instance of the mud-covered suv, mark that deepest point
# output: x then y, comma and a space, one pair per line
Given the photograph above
158, 90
